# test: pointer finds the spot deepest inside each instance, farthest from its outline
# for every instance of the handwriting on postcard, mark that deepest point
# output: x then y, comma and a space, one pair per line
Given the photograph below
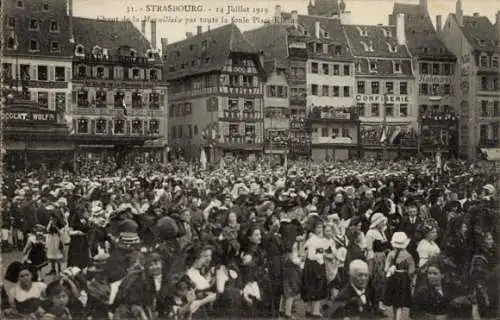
193, 14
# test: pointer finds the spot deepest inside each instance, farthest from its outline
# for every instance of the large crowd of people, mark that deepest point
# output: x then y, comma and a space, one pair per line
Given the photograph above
144, 240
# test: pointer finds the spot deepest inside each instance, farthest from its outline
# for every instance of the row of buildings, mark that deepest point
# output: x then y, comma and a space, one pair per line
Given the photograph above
319, 86
312, 85
101, 80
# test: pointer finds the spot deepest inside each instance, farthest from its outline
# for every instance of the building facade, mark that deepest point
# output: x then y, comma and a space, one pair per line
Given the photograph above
37, 60
384, 94
476, 43
434, 67
271, 41
119, 95
215, 94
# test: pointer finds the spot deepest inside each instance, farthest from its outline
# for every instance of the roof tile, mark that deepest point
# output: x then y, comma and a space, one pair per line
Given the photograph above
378, 38
206, 52
109, 35
272, 40
422, 39
481, 33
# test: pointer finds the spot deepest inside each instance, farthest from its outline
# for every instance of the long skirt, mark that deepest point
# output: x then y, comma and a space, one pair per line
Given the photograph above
314, 282
377, 272
78, 254
398, 291
54, 247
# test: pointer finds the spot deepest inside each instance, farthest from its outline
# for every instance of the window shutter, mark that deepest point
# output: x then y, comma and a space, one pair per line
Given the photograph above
88, 71
148, 74
67, 72
162, 100
110, 97
52, 73
33, 72
159, 74
75, 124
142, 74
110, 126
225, 129
130, 73
68, 102
92, 126
52, 101
145, 99
145, 127
127, 127
128, 98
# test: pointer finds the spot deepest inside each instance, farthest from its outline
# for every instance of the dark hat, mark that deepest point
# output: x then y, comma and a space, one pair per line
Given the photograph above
128, 239
127, 225
166, 228
98, 262
13, 270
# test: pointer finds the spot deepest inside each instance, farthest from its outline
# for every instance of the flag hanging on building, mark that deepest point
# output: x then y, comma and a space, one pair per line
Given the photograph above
383, 138
124, 106
16, 43
394, 135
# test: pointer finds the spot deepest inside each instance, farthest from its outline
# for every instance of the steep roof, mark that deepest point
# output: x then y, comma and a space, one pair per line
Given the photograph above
422, 39
325, 8
380, 38
332, 26
21, 31
205, 52
272, 40
480, 33
109, 35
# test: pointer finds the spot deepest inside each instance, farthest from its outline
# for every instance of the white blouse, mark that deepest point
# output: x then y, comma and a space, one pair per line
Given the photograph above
36, 291
313, 244
426, 249
199, 281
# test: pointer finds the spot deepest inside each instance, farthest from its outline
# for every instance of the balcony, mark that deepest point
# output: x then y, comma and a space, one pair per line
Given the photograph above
237, 115
298, 101
238, 142
331, 114
437, 117
120, 60
488, 143
488, 70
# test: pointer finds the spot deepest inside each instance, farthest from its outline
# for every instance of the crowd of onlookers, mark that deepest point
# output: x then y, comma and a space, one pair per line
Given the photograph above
143, 240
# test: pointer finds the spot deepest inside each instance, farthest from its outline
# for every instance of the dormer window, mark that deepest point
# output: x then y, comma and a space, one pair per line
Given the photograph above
425, 50
54, 46
34, 25
100, 73
373, 66
54, 26
397, 67
20, 4
365, 46
97, 51
326, 35
482, 43
392, 47
150, 54
79, 50
362, 32
338, 50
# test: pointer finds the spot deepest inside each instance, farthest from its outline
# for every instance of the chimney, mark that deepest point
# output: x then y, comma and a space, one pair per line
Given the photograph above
189, 35
143, 27
295, 17
164, 44
316, 29
400, 29
459, 13
153, 34
423, 5
70, 26
277, 14
439, 23
198, 30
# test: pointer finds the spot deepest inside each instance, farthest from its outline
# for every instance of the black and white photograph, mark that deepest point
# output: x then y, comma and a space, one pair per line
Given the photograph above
236, 159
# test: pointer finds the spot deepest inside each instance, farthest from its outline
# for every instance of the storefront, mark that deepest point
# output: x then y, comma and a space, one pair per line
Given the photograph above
34, 138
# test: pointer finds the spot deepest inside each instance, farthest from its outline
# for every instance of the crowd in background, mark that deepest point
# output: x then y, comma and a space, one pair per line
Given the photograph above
143, 240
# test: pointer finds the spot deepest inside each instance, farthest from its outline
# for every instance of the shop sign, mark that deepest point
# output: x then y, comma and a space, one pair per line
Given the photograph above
30, 116
434, 79
380, 98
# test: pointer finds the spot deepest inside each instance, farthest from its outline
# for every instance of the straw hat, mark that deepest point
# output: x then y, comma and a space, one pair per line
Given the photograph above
377, 219
128, 239
400, 240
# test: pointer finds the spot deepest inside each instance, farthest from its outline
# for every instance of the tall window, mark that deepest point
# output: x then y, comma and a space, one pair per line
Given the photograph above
82, 126
403, 110
119, 97
389, 110
154, 127
60, 101
83, 98
326, 68
324, 91
314, 67
336, 91
484, 83
361, 87
119, 127
43, 99
136, 99
375, 110
483, 132
424, 68
136, 126
483, 61
101, 126
375, 87
60, 74
389, 86
347, 70
347, 91
424, 89
336, 70
314, 89
154, 100
361, 109
484, 108
100, 99
43, 73
403, 87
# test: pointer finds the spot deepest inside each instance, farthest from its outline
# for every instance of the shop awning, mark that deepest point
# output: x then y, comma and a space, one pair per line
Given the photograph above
492, 154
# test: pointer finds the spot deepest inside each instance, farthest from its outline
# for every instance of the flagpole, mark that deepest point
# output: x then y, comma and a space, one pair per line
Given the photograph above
384, 128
